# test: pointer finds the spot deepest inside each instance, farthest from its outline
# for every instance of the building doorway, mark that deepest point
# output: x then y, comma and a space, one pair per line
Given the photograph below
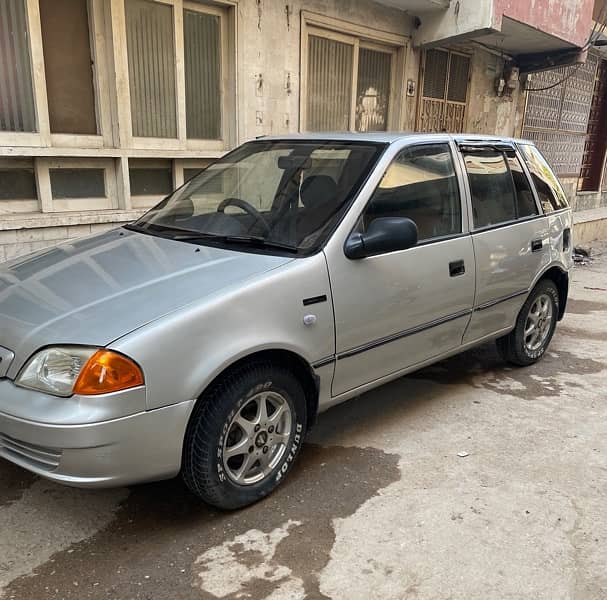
596, 141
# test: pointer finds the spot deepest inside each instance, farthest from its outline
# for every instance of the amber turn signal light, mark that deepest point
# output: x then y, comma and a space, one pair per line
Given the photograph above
106, 372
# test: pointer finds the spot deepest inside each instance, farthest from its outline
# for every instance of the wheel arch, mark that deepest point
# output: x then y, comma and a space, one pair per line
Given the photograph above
295, 363
560, 278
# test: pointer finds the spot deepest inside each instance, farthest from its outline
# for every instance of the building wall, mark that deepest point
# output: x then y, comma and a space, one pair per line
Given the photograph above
264, 67
568, 20
488, 113
269, 52
262, 49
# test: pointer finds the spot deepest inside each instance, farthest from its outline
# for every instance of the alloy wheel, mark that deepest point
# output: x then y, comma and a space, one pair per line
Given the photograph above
257, 438
538, 323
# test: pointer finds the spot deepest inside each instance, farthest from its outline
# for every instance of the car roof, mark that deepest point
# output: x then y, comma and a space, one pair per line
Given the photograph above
390, 137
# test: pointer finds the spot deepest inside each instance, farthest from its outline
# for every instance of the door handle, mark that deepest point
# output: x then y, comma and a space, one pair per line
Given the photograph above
536, 245
457, 267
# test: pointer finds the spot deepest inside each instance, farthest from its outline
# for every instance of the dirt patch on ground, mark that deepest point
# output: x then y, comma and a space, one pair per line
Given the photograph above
542, 379
162, 543
13, 482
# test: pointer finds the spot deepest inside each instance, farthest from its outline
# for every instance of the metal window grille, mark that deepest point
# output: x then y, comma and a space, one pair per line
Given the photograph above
444, 91
329, 84
373, 93
556, 119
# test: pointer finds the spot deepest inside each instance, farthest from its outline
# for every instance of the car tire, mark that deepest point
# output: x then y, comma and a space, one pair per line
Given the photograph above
535, 325
235, 453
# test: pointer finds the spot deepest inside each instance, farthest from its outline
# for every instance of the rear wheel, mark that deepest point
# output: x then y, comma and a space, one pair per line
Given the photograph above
535, 325
244, 435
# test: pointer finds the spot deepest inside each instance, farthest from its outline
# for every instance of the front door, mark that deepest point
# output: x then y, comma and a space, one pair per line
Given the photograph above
399, 309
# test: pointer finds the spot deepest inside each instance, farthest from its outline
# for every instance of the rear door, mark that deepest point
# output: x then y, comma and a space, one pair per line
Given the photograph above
511, 238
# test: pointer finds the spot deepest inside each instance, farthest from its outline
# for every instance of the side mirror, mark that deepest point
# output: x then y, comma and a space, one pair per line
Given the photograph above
385, 234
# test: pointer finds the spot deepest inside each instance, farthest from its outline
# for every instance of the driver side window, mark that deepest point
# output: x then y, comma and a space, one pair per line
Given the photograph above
421, 185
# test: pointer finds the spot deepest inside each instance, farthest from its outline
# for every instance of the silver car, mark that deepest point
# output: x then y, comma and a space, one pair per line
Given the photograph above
292, 274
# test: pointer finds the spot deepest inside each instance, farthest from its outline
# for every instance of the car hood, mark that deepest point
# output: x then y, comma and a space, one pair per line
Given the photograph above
100, 288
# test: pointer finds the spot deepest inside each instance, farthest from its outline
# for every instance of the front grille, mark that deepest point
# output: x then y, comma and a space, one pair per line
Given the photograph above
46, 459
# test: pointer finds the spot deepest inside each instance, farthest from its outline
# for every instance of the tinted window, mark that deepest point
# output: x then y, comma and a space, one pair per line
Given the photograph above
420, 184
525, 202
549, 190
493, 200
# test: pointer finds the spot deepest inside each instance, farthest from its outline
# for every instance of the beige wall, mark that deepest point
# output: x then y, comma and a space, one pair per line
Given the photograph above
487, 113
269, 45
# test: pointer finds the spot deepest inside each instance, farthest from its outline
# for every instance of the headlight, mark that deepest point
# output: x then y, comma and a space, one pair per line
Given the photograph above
67, 370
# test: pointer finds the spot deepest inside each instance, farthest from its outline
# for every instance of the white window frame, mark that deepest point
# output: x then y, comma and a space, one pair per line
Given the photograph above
181, 142
11, 206
357, 36
43, 137
149, 200
49, 204
191, 163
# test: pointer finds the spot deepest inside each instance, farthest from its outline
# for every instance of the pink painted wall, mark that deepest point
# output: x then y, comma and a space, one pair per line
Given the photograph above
570, 20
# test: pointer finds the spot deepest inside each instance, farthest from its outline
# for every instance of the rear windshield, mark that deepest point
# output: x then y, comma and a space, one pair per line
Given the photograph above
551, 194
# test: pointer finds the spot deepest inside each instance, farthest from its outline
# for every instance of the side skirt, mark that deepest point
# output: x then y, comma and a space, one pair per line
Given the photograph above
327, 402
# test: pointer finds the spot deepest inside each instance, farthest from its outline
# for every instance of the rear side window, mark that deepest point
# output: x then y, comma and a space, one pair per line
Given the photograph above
549, 190
493, 198
419, 184
525, 202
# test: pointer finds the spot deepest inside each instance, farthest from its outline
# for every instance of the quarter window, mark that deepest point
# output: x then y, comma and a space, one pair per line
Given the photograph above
551, 194
525, 202
493, 200
421, 185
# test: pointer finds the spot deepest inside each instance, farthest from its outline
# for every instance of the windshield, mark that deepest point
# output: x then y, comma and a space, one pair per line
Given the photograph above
274, 194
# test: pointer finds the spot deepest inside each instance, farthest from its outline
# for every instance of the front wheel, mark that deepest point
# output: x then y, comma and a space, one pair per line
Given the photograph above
535, 325
244, 435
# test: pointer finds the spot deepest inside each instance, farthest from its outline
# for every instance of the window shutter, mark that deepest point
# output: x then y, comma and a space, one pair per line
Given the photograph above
202, 46
16, 93
151, 57
329, 84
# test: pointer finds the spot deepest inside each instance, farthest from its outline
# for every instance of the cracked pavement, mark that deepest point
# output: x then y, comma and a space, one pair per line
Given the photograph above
380, 505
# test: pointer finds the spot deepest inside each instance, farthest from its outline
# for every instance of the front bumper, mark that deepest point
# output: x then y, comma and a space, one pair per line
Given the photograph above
145, 446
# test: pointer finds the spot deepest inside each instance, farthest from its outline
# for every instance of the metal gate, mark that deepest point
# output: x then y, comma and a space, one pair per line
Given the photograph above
444, 95
596, 141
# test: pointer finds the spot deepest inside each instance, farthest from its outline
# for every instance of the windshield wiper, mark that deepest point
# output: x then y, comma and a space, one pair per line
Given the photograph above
191, 235
256, 241
259, 241
160, 229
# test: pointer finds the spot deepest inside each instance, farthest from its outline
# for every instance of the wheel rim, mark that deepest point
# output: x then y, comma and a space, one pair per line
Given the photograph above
538, 323
257, 438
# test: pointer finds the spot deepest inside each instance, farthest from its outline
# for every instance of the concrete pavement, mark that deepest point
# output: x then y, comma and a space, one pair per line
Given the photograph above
380, 504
